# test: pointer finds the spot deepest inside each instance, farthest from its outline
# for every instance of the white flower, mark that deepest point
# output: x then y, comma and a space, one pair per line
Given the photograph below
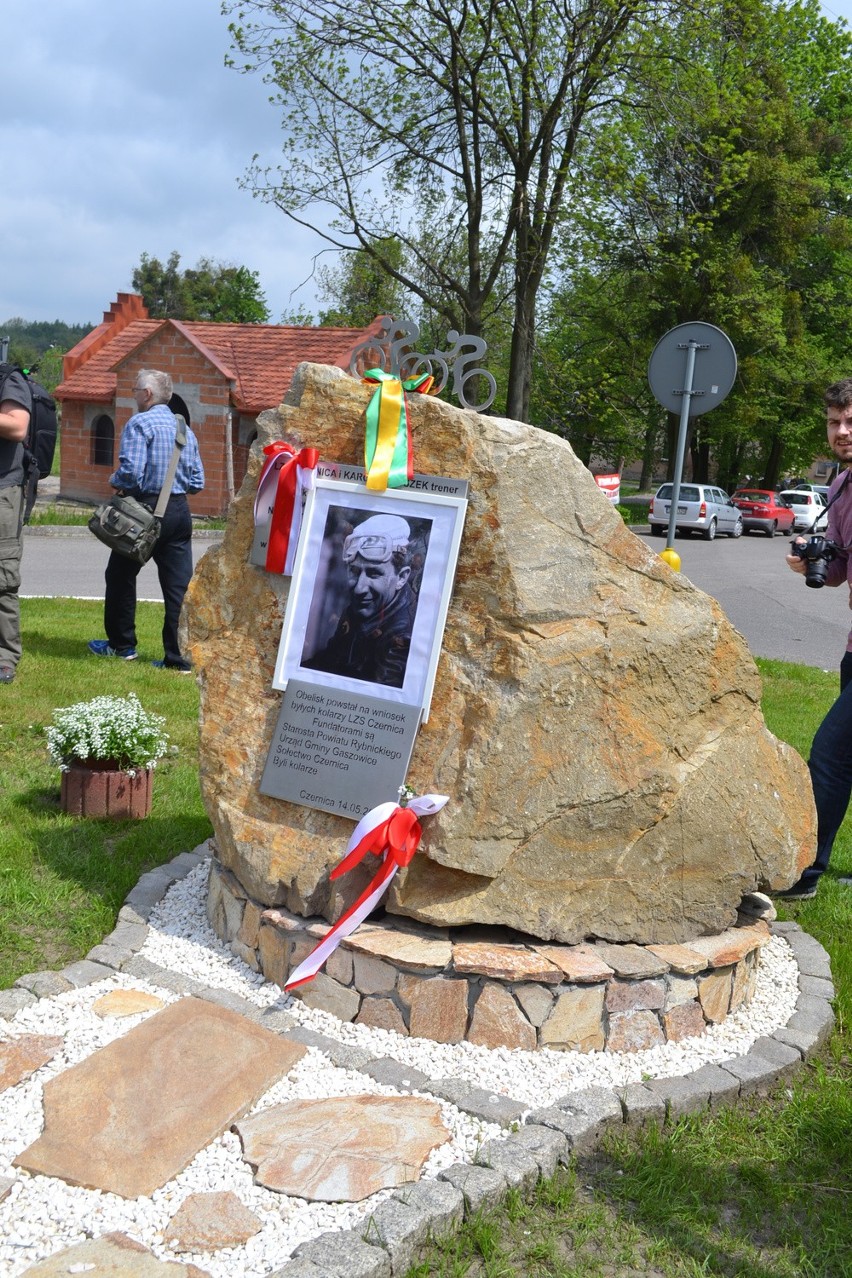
107, 728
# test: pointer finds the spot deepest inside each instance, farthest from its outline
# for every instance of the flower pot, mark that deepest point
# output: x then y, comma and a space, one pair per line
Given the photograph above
99, 789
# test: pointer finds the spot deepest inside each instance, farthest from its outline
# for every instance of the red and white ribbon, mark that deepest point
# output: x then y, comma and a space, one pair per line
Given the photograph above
286, 476
391, 832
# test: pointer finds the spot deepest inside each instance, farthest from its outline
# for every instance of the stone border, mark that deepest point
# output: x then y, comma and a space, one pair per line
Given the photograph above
496, 988
389, 1241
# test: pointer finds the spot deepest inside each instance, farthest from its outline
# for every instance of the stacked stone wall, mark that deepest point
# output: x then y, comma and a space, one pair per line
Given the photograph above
495, 988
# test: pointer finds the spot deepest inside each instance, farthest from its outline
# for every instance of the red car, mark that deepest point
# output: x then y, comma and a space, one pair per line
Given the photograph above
761, 509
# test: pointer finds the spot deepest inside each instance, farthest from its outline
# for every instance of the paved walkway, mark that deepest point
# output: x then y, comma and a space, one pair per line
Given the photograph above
391, 1240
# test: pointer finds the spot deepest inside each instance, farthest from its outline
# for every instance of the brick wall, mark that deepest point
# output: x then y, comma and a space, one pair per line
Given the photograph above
206, 392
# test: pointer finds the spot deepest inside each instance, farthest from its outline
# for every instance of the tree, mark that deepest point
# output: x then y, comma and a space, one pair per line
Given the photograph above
725, 201
360, 289
210, 291
452, 129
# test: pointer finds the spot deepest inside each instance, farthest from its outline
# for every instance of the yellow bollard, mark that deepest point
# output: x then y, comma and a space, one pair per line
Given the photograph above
671, 557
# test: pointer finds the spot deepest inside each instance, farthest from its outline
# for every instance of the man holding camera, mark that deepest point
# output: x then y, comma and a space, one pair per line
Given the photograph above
830, 761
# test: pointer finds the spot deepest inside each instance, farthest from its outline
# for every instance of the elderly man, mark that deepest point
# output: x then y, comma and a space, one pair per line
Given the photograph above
373, 636
15, 410
143, 460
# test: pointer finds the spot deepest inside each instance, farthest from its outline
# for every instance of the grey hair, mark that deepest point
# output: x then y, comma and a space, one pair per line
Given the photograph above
157, 382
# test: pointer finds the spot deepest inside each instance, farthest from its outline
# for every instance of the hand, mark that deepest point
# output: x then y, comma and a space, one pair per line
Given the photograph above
797, 564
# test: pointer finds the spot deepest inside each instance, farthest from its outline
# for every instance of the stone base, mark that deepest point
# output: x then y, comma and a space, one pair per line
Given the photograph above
104, 792
495, 987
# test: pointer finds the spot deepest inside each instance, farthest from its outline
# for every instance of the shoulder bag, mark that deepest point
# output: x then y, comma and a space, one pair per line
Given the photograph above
126, 525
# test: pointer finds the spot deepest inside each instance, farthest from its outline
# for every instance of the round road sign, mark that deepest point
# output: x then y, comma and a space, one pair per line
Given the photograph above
714, 373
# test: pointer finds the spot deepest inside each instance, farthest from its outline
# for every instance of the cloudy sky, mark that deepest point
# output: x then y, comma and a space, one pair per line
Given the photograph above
124, 133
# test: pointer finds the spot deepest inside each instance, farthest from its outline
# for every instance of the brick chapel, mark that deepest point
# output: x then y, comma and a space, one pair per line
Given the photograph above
224, 375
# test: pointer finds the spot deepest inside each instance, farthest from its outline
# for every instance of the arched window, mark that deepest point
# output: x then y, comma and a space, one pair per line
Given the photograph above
103, 440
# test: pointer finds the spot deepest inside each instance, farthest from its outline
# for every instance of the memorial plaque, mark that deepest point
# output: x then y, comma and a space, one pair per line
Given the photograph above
341, 752
356, 475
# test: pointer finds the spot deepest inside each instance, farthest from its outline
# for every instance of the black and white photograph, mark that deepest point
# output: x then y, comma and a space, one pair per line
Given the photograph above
370, 591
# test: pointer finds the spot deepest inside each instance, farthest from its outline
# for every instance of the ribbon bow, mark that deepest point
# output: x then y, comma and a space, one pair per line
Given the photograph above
388, 454
391, 831
291, 474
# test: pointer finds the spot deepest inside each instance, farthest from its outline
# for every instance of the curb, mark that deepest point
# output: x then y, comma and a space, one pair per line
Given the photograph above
389, 1242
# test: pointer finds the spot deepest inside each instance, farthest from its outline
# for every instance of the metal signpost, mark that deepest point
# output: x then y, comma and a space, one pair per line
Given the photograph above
691, 370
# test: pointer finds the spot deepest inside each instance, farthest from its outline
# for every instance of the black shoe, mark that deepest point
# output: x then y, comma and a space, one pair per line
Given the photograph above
796, 893
7, 674
165, 665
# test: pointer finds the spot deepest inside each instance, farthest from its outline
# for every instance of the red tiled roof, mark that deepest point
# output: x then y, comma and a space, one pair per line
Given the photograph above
258, 359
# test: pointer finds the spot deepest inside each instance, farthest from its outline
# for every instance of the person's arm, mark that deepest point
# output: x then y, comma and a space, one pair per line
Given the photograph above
132, 458
14, 421
195, 467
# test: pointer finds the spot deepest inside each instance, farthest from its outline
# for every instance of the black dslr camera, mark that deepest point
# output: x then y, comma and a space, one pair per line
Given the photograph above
817, 553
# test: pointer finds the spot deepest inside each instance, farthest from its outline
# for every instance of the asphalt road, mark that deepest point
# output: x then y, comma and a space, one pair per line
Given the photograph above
778, 615
775, 611
70, 562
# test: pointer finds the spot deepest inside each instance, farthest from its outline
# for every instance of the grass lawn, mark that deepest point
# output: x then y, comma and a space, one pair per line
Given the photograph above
63, 880
762, 1190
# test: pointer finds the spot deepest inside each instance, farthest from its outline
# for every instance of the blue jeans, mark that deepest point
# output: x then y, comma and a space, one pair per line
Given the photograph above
831, 774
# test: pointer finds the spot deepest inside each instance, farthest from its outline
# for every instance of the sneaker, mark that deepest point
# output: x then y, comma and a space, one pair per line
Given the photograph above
101, 648
161, 665
7, 674
796, 893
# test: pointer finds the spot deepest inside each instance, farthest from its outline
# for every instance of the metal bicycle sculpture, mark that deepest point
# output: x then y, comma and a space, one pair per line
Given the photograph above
395, 355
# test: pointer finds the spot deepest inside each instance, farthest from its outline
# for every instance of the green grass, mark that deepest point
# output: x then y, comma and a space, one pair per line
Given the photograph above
760, 1190
56, 515
62, 879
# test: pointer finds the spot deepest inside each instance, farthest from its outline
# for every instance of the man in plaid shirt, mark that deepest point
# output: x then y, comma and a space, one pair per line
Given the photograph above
143, 458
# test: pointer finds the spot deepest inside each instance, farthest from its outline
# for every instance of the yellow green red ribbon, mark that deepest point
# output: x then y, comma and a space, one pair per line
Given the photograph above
388, 454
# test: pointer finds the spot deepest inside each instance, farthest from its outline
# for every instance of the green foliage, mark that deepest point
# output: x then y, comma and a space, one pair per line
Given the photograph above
721, 195
211, 291
362, 287
451, 131
38, 346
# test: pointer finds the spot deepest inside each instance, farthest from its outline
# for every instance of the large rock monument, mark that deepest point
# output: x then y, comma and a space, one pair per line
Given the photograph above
596, 719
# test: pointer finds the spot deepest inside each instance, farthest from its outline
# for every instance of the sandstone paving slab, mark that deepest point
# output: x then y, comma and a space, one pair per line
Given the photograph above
112, 1255
20, 1057
126, 1003
209, 1222
135, 1113
579, 963
681, 958
406, 949
730, 946
505, 962
342, 1149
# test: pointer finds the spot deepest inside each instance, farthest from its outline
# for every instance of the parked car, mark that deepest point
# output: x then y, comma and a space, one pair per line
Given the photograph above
809, 509
813, 488
700, 508
762, 511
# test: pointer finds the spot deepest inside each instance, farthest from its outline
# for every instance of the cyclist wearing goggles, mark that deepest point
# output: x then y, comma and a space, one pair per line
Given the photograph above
373, 636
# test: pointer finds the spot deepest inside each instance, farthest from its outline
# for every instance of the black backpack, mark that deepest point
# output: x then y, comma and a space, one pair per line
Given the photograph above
40, 443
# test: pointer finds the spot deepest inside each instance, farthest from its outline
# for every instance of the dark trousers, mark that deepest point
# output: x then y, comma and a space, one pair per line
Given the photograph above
831, 773
173, 557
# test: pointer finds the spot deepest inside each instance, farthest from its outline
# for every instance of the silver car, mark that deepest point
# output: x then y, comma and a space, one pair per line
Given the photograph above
701, 508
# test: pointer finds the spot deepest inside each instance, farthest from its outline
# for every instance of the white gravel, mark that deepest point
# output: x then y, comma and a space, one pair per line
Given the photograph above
42, 1215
